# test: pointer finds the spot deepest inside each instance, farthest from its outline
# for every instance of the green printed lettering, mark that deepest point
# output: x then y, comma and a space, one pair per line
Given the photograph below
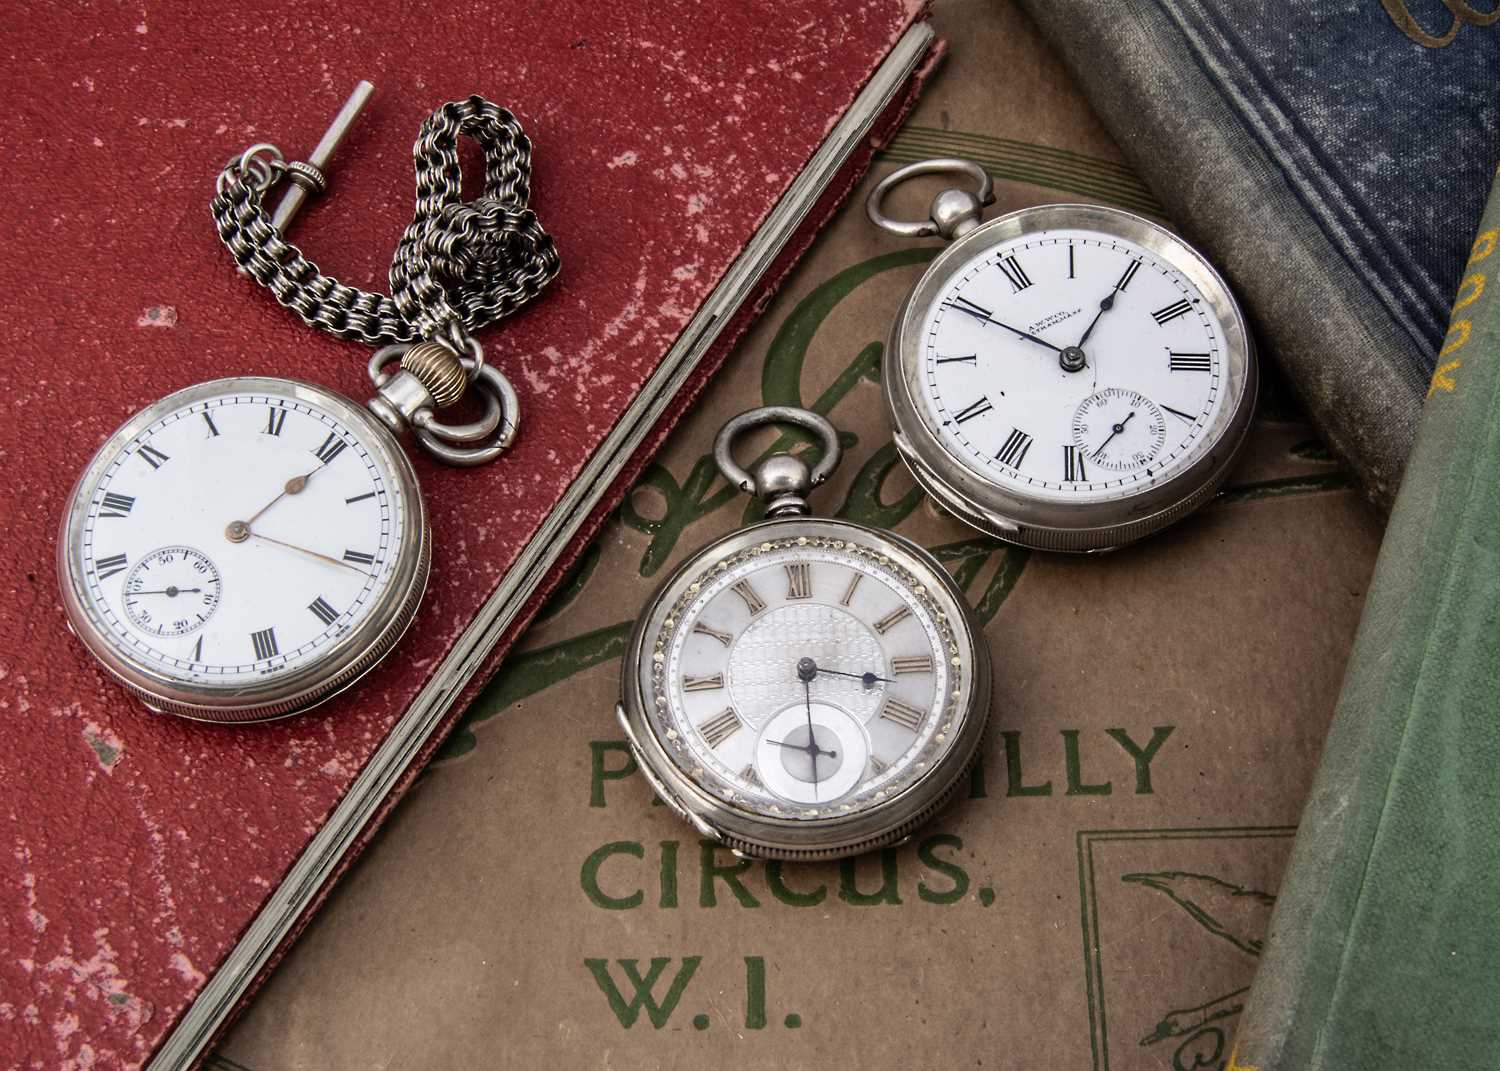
1015, 781
602, 773
710, 868
1076, 787
589, 876
1142, 756
927, 852
889, 891
628, 1011
755, 993
668, 874
787, 895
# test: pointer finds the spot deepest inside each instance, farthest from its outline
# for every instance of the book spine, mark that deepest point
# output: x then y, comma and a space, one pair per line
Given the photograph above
1351, 367
1383, 945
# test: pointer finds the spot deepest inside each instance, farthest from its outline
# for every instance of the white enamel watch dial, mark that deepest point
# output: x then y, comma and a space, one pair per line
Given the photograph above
806, 687
1070, 377
244, 548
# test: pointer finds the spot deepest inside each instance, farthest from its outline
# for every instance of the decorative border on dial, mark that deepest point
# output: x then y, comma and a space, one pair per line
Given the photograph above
674, 744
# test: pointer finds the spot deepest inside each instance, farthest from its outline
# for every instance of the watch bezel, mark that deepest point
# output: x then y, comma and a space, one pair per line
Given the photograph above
767, 836
1047, 523
279, 695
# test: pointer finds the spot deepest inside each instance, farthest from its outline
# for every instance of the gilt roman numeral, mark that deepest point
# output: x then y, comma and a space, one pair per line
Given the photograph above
323, 611
1190, 362
1015, 274
275, 418
264, 643
104, 568
213, 429
969, 412
1164, 316
1073, 464
903, 714
849, 591
115, 505
332, 447
723, 637
798, 580
1130, 271
892, 619
720, 727
753, 602
703, 684
877, 766
1070, 261
748, 774
153, 457
1013, 452
911, 664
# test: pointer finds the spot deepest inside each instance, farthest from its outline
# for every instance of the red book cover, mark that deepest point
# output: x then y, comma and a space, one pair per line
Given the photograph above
155, 868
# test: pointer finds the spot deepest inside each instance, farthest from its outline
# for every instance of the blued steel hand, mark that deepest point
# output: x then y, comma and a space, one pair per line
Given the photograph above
1104, 306
984, 316
1117, 428
802, 747
869, 679
812, 741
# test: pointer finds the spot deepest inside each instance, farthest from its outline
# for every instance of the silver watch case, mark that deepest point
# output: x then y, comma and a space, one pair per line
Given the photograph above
280, 695
1068, 526
752, 834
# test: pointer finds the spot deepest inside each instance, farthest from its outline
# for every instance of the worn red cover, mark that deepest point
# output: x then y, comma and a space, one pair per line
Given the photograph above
139, 847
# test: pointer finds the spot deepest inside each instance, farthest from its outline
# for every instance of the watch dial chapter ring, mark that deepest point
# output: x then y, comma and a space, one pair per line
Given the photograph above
349, 658
801, 838
1063, 525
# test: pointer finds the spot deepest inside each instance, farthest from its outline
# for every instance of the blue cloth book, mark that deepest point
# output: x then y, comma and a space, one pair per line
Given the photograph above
1332, 157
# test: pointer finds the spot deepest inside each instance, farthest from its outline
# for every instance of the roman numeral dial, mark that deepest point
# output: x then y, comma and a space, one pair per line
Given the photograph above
795, 670
215, 546
1004, 354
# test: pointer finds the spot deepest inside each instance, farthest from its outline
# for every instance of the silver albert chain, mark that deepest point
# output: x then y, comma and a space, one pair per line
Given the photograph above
459, 265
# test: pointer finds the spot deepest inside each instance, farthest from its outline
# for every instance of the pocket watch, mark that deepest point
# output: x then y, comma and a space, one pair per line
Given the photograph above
1065, 377
247, 547
804, 687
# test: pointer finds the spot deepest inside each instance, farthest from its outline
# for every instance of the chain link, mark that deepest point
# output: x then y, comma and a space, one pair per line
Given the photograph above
458, 266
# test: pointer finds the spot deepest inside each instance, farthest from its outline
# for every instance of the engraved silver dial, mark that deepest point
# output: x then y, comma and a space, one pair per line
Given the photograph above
808, 673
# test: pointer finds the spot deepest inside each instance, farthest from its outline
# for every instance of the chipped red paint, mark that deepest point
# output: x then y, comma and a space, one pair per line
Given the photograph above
137, 848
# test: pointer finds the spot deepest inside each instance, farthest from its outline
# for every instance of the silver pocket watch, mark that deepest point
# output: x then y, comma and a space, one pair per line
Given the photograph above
247, 547
1065, 377
804, 687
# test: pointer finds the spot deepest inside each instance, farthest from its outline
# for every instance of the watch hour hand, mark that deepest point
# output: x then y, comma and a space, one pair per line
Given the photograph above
1104, 306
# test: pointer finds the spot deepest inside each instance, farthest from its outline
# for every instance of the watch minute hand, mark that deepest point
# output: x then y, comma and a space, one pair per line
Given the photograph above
984, 316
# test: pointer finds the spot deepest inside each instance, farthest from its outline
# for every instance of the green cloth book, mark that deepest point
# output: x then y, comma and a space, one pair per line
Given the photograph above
1384, 945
